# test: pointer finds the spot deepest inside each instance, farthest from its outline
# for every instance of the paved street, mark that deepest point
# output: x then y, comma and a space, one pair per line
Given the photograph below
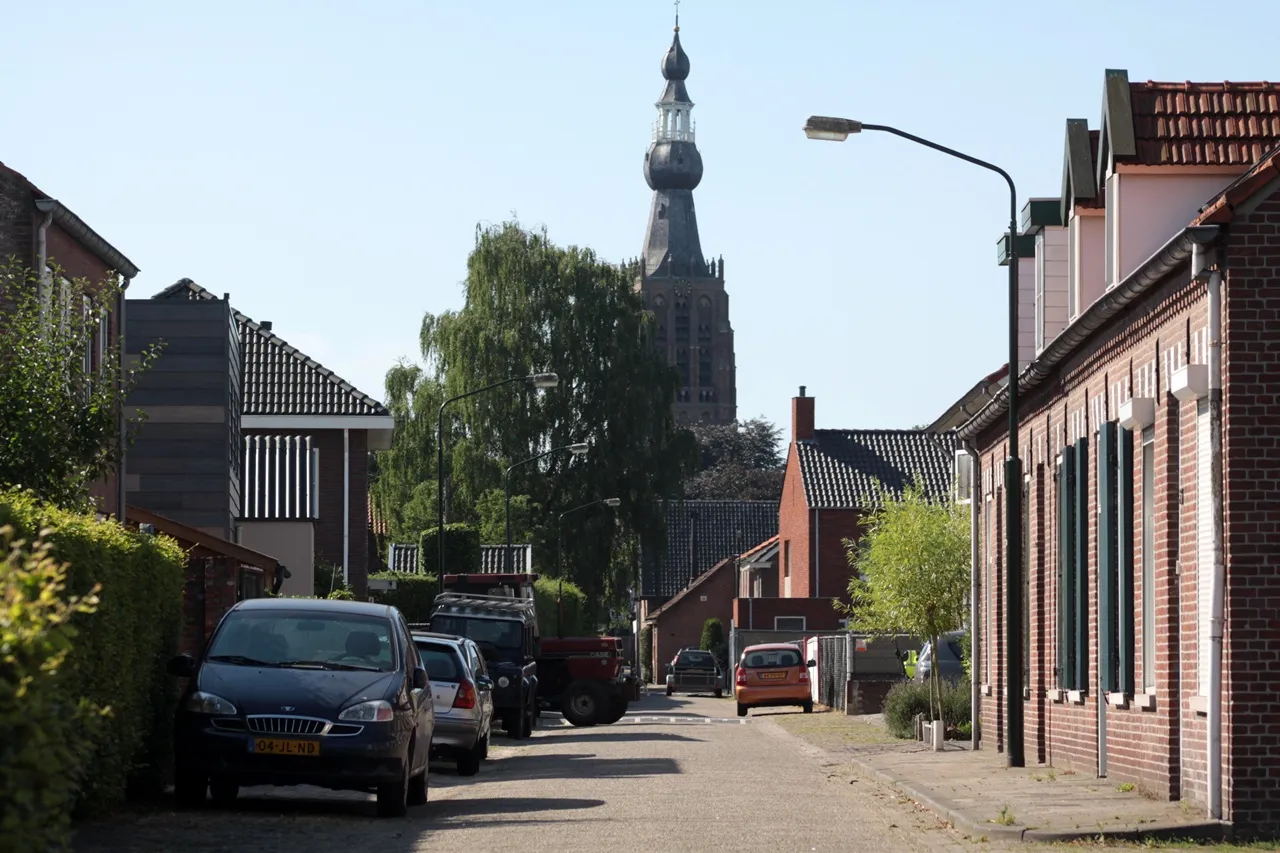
676, 774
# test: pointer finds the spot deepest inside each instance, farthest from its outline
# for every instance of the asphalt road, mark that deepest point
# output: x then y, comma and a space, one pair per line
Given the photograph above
681, 774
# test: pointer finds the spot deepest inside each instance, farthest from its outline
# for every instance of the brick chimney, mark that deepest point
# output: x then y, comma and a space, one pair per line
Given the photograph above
801, 417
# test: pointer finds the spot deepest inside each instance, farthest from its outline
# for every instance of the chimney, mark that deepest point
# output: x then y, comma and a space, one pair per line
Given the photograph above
801, 417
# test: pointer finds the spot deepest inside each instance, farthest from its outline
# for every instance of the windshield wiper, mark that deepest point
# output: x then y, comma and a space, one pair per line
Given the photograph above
241, 660
327, 664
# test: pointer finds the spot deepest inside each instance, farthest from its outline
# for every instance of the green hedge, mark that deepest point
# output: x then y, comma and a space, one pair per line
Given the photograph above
909, 698
413, 596
461, 550
545, 593
118, 659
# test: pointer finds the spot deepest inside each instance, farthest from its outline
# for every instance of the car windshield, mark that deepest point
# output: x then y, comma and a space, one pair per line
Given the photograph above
695, 659
766, 658
506, 635
303, 639
441, 662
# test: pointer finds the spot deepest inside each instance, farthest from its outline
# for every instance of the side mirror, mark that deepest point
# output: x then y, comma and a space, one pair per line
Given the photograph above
530, 659
182, 666
420, 680
484, 682
811, 662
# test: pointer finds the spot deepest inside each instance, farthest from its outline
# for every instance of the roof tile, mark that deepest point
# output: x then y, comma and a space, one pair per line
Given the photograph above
840, 468
699, 535
1205, 124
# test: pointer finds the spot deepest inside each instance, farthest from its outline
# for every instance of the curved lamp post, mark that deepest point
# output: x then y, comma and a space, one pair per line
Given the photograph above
610, 502
838, 130
576, 449
533, 380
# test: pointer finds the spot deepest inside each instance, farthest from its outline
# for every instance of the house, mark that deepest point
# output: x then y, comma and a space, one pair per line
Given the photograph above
38, 231
249, 436
1150, 438
832, 481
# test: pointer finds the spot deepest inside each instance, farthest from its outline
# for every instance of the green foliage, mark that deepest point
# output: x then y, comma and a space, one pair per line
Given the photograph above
491, 514
59, 427
712, 635
413, 596
533, 306
966, 649
737, 461
43, 737
546, 592
461, 550
121, 650
342, 594
646, 652
327, 579
908, 698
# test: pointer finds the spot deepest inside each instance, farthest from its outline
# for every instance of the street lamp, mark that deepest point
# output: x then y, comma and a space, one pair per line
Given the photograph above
832, 129
576, 449
533, 380
610, 502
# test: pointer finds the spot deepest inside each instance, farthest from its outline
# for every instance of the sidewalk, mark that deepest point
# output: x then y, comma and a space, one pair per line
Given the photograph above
983, 798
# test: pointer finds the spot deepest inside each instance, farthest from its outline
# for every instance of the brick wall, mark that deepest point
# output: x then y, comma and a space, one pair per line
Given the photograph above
17, 218
1251, 429
794, 532
210, 591
759, 613
832, 570
681, 624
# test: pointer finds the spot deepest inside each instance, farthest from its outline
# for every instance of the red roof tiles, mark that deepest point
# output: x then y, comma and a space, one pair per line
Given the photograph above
1222, 208
1205, 123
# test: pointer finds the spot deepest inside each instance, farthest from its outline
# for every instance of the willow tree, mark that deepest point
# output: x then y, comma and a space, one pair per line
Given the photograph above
532, 306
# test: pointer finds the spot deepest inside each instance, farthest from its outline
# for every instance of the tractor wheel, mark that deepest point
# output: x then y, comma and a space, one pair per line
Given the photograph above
583, 703
617, 710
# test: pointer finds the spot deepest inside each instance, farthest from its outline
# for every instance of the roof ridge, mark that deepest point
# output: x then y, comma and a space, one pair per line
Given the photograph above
700, 579
1191, 85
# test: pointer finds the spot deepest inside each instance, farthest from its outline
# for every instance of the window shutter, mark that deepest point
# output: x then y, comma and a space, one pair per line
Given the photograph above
1107, 587
1125, 543
1066, 573
1080, 493
1204, 543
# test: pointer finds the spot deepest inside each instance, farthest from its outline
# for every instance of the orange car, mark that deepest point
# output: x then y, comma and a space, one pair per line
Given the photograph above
772, 674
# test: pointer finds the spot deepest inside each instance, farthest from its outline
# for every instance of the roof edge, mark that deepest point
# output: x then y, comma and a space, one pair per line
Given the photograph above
92, 240
698, 581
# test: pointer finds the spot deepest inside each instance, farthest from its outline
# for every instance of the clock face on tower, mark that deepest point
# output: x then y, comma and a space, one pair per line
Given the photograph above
682, 287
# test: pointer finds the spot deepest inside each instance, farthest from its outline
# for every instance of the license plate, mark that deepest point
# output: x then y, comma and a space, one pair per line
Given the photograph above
276, 746
772, 676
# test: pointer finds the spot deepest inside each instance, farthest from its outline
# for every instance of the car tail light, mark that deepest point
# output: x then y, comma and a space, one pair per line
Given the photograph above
466, 696
740, 677
804, 675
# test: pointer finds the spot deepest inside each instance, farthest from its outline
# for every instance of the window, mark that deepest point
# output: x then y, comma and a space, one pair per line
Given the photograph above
1148, 559
988, 554
1204, 544
1073, 265
788, 623
1026, 582
963, 477
1073, 568
1040, 253
1115, 558
441, 662
770, 658
786, 569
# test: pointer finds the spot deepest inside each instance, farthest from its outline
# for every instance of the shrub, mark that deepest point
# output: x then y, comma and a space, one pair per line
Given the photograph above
122, 648
328, 579
646, 652
413, 596
461, 550
712, 635
545, 594
908, 698
43, 742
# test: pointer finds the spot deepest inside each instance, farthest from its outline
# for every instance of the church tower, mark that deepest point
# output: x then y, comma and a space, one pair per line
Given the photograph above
684, 290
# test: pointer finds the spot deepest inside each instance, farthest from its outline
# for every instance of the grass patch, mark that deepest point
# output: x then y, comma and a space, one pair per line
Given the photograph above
831, 730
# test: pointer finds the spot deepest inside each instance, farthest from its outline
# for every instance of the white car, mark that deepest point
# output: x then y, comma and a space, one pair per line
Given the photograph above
462, 695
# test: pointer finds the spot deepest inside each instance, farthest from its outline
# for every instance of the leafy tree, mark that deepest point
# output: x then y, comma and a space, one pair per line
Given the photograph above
59, 427
737, 461
912, 569
491, 509
404, 479
533, 306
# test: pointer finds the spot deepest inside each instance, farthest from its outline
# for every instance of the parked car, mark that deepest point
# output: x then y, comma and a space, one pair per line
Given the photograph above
463, 695
694, 671
771, 675
292, 691
950, 658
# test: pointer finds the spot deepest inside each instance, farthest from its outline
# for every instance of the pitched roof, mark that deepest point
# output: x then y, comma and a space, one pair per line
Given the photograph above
1204, 123
698, 582
1222, 207
700, 534
839, 468
279, 379
972, 401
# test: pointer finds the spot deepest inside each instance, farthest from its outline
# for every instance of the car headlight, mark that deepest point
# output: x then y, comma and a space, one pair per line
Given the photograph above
377, 711
503, 681
207, 703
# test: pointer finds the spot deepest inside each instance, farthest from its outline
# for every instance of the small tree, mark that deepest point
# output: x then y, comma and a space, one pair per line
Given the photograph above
61, 387
911, 571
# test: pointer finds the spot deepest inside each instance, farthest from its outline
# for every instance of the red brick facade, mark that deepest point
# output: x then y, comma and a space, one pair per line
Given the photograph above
759, 613
1157, 738
678, 623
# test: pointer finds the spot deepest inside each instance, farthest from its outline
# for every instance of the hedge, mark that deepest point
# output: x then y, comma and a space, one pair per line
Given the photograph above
461, 550
117, 662
908, 698
545, 593
413, 596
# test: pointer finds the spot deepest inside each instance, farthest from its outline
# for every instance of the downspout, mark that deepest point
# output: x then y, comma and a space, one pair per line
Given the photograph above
124, 420
346, 507
1217, 576
975, 558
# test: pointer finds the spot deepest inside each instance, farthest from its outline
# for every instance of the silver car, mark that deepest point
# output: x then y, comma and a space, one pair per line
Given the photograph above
462, 695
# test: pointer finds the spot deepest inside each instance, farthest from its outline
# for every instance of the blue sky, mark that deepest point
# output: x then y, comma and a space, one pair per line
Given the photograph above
327, 165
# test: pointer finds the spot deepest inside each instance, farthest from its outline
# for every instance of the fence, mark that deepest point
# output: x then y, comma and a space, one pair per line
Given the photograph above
855, 672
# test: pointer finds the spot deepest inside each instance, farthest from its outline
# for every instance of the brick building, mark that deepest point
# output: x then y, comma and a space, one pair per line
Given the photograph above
833, 479
38, 231
1138, 411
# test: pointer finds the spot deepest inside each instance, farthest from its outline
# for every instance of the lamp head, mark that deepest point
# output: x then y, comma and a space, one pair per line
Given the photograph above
613, 501
831, 129
579, 448
543, 380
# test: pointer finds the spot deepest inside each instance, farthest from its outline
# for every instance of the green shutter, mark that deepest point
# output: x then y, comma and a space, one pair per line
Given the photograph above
1107, 588
1124, 543
1080, 494
1066, 574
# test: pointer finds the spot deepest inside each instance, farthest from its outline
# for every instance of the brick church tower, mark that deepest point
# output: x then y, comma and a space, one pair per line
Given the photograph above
684, 289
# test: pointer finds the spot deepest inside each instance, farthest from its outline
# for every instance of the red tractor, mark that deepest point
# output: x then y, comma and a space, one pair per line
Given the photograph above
585, 678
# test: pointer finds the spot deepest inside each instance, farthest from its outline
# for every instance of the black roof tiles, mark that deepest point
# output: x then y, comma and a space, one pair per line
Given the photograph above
840, 468
699, 535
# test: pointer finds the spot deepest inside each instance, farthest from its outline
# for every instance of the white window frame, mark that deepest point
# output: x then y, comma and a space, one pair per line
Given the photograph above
1148, 579
778, 627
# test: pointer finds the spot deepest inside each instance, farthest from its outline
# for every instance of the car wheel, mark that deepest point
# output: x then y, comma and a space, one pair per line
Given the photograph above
719, 693
583, 703
189, 789
669, 690
484, 745
417, 793
808, 707
224, 791
469, 761
742, 710
530, 722
393, 797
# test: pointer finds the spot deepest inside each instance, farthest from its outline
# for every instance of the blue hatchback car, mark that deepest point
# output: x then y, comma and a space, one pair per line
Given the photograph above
305, 692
